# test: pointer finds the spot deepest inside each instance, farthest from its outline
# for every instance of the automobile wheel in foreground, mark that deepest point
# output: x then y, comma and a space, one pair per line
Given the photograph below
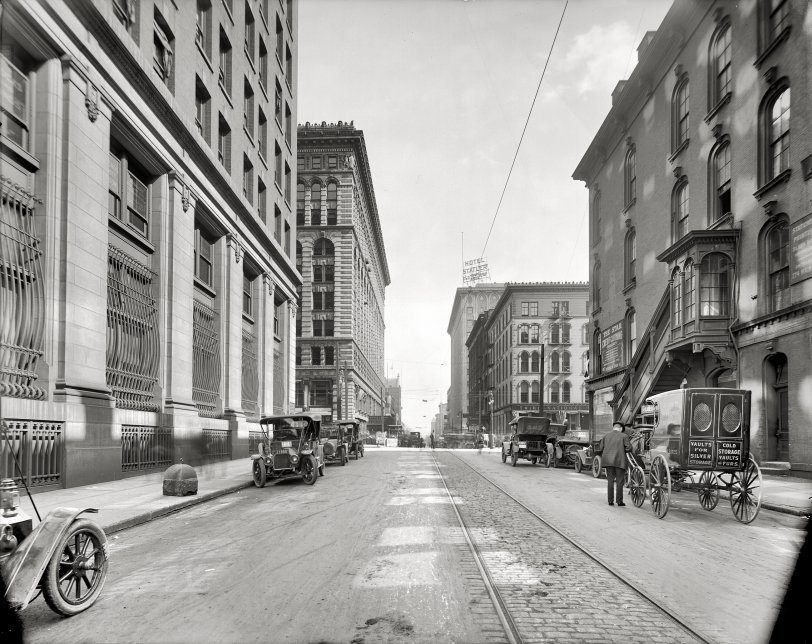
260, 473
596, 467
578, 464
309, 469
504, 455
513, 458
77, 569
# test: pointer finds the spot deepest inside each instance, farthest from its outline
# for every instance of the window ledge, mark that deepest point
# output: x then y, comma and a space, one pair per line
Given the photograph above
247, 318
630, 285
249, 58
718, 107
130, 235
596, 312
28, 161
727, 218
772, 46
228, 12
682, 146
629, 205
773, 183
249, 135
208, 290
226, 94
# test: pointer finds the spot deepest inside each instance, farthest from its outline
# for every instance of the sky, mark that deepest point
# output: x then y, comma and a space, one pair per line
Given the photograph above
442, 90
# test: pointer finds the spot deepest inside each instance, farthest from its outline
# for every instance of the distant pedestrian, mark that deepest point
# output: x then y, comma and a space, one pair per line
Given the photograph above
431, 439
612, 448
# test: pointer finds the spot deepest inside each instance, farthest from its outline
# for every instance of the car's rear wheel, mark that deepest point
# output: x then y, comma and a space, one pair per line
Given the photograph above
309, 469
260, 473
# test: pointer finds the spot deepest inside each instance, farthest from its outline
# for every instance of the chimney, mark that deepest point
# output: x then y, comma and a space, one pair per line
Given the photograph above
641, 49
618, 91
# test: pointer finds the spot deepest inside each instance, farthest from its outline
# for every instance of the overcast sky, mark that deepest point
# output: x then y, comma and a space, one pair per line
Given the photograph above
441, 90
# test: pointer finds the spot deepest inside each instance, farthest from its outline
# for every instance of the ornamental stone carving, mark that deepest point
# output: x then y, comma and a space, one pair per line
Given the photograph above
234, 244
92, 102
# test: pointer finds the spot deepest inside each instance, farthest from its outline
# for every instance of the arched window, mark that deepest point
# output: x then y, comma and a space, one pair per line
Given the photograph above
630, 253
554, 388
774, 132
630, 177
323, 248
300, 204
332, 204
534, 334
676, 299
595, 358
534, 362
554, 362
565, 333
524, 392
720, 181
596, 217
720, 69
714, 286
524, 334
680, 203
565, 391
524, 362
679, 114
689, 291
631, 334
315, 204
565, 362
534, 392
554, 333
777, 253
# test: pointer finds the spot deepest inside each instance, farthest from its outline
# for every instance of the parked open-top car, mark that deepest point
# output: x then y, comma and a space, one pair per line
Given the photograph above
334, 443
355, 437
290, 449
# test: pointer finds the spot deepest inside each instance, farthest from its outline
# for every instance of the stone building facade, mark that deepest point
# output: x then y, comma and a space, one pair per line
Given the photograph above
149, 287
701, 220
537, 351
341, 256
469, 303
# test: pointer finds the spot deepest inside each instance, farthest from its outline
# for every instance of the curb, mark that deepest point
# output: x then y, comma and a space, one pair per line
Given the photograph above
146, 517
786, 509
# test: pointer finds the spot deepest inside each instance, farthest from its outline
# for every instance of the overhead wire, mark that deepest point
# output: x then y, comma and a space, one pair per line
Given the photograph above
524, 129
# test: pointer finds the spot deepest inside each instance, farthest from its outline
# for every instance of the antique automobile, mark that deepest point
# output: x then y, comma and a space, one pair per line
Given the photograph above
291, 449
564, 449
588, 459
528, 440
65, 556
697, 432
355, 437
334, 443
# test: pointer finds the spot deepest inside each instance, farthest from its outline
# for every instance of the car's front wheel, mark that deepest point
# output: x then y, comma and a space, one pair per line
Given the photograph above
260, 473
309, 469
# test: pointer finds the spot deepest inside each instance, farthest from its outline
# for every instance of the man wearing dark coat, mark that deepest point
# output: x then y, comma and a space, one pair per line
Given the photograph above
612, 448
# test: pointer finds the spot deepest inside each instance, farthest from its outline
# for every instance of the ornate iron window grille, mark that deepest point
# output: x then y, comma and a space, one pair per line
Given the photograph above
132, 332
22, 301
38, 448
146, 448
254, 439
250, 374
217, 444
206, 360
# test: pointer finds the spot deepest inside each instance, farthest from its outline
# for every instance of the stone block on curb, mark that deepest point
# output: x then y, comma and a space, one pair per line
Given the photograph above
180, 480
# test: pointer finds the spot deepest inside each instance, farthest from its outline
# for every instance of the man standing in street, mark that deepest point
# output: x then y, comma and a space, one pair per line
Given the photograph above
612, 448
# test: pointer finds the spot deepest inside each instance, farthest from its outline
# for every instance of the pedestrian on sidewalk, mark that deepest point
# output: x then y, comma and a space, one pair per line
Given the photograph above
613, 447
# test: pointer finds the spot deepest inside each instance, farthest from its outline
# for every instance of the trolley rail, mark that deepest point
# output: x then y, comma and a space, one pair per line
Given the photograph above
500, 605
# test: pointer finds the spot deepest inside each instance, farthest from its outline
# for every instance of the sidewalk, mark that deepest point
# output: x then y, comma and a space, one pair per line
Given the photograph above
138, 499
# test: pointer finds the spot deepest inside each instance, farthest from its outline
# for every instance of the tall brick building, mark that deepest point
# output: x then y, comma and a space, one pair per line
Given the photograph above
149, 287
700, 220
341, 256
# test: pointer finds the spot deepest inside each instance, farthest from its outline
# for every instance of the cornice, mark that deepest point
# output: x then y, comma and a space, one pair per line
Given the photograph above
697, 237
802, 308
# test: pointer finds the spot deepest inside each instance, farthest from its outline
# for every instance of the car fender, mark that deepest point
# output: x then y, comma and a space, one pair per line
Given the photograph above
24, 568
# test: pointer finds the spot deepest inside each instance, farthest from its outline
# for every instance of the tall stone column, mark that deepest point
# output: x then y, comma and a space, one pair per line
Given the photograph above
266, 366
231, 310
290, 389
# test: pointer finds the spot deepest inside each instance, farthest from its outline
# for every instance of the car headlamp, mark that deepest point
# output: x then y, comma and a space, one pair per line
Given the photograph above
294, 458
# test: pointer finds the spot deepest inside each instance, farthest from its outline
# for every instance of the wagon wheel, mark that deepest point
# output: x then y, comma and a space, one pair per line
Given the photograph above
77, 569
260, 473
708, 490
660, 479
578, 464
637, 486
596, 466
745, 492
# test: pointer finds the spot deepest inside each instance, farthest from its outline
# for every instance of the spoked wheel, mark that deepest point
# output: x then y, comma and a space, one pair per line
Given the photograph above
309, 469
578, 464
708, 490
637, 486
504, 455
513, 458
596, 467
745, 492
260, 473
660, 479
77, 569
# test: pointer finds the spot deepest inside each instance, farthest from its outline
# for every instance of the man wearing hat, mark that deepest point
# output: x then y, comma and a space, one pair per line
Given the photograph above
612, 448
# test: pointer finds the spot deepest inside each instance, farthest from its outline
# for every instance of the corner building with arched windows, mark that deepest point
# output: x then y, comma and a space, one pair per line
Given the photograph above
341, 256
701, 221
147, 277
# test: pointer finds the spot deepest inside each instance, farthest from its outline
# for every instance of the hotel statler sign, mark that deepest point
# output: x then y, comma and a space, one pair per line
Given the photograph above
612, 347
801, 249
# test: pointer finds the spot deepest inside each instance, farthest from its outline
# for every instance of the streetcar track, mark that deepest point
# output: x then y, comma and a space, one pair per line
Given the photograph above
511, 630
